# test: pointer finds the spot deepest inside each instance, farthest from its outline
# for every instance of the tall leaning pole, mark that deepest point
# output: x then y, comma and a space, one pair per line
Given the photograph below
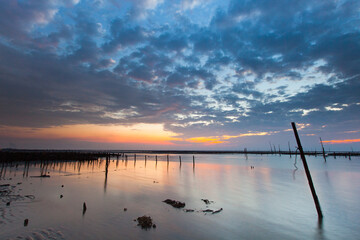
308, 175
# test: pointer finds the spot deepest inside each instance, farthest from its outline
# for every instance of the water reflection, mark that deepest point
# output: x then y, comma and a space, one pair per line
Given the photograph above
261, 196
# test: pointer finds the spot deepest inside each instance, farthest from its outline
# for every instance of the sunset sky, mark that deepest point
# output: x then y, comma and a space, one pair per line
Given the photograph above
192, 74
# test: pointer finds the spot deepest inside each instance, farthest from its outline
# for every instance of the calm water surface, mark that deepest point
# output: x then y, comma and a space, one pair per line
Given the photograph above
270, 201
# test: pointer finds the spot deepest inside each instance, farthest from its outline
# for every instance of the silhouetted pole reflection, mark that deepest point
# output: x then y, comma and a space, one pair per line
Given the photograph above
106, 172
289, 149
308, 175
296, 168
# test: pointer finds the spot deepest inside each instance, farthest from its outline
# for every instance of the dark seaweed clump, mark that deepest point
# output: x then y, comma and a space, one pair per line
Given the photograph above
175, 204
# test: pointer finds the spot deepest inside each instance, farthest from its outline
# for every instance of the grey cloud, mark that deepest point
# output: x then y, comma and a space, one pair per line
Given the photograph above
66, 74
122, 34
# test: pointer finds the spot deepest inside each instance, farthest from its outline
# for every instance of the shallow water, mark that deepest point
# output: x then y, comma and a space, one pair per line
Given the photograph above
270, 201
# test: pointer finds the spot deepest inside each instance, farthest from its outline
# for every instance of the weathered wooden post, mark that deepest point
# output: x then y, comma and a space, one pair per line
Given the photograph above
289, 148
279, 150
323, 150
84, 208
193, 161
307, 171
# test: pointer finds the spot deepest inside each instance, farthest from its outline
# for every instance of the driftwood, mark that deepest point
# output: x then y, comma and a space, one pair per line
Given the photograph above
41, 176
217, 211
212, 211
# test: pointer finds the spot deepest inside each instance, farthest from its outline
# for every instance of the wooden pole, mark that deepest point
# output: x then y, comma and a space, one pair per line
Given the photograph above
193, 161
289, 149
307, 171
323, 150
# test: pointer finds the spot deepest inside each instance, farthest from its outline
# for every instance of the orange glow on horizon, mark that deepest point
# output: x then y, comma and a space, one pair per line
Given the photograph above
138, 133
205, 140
222, 139
342, 141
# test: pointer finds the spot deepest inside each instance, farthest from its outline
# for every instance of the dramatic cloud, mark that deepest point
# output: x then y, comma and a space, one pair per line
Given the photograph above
216, 74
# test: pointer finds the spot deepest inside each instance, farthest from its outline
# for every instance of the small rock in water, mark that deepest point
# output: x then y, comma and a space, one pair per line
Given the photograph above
145, 222
207, 201
62, 185
154, 225
125, 209
61, 196
175, 204
189, 210
8, 204
30, 197
26, 222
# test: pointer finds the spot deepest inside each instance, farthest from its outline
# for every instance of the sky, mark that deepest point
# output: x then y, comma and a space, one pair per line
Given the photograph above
192, 74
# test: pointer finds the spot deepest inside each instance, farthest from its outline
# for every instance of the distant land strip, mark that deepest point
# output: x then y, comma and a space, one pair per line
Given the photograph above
39, 155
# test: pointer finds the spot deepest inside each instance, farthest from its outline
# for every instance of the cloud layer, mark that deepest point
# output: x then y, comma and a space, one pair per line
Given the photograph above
203, 69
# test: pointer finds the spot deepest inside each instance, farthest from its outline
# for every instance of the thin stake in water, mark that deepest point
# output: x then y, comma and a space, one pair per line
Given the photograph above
307, 171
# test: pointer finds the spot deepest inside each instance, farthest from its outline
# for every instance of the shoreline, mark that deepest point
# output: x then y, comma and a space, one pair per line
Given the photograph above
83, 155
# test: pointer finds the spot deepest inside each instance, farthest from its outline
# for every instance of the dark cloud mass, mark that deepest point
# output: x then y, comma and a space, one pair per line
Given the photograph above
250, 66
